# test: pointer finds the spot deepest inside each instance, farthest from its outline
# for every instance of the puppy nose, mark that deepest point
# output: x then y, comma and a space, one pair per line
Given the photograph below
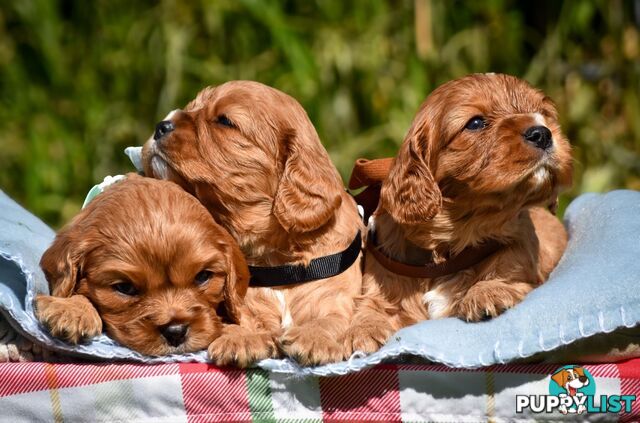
174, 333
162, 129
583, 379
540, 136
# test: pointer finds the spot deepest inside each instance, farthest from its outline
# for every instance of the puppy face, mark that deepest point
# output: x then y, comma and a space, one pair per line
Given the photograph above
574, 378
243, 145
153, 263
491, 139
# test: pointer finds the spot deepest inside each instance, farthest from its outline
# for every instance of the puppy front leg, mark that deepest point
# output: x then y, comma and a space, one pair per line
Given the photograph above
372, 323
316, 341
241, 347
489, 298
369, 330
70, 318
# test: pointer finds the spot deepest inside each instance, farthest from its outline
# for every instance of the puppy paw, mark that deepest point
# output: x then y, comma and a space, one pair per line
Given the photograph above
367, 337
242, 349
488, 299
73, 319
311, 347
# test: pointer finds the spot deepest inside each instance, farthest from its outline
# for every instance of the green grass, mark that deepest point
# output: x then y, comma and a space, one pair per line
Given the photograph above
79, 81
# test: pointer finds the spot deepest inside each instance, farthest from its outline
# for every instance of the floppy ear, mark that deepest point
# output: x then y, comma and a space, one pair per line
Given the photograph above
235, 287
308, 192
62, 262
410, 194
579, 371
560, 378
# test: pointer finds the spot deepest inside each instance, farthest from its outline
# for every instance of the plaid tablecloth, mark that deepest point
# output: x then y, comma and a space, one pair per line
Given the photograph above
199, 393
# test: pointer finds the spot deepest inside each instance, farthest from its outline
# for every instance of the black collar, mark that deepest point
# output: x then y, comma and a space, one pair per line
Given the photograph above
318, 268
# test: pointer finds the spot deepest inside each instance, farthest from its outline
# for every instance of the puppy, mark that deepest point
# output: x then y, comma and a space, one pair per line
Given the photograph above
146, 262
571, 380
467, 195
250, 154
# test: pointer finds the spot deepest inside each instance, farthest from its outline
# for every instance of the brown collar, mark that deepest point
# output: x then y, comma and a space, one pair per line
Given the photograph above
468, 257
369, 174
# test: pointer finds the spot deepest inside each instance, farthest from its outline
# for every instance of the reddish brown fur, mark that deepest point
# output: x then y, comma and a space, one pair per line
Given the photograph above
158, 237
271, 184
451, 188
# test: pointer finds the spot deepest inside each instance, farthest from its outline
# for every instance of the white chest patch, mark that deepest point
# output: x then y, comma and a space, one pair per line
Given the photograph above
540, 176
437, 303
284, 310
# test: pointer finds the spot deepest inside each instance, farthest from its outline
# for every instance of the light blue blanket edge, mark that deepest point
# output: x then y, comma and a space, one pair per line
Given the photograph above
601, 251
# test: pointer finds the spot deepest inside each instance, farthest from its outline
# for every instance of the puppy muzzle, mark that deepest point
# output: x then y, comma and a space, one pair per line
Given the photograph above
539, 136
165, 126
162, 129
174, 334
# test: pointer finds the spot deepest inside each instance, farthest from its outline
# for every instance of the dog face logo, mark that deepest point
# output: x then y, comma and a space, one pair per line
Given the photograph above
571, 379
572, 382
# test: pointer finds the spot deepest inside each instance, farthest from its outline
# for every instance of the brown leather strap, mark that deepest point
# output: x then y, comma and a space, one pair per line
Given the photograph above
369, 174
467, 258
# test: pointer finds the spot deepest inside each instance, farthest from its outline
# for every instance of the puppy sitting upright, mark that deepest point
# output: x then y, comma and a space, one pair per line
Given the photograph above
146, 261
462, 228
251, 155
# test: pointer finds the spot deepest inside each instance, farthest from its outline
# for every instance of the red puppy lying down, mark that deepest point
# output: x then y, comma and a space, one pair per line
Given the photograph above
146, 262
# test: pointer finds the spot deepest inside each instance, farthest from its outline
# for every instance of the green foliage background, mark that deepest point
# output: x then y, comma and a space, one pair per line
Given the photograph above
81, 80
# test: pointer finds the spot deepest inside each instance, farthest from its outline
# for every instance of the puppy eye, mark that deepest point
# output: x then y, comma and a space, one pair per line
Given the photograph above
225, 121
126, 288
475, 123
203, 277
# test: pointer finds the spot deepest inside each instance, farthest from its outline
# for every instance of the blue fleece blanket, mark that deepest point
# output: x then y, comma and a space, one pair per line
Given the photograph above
595, 289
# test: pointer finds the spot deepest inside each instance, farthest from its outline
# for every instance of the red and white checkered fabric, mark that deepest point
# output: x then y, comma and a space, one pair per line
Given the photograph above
205, 393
